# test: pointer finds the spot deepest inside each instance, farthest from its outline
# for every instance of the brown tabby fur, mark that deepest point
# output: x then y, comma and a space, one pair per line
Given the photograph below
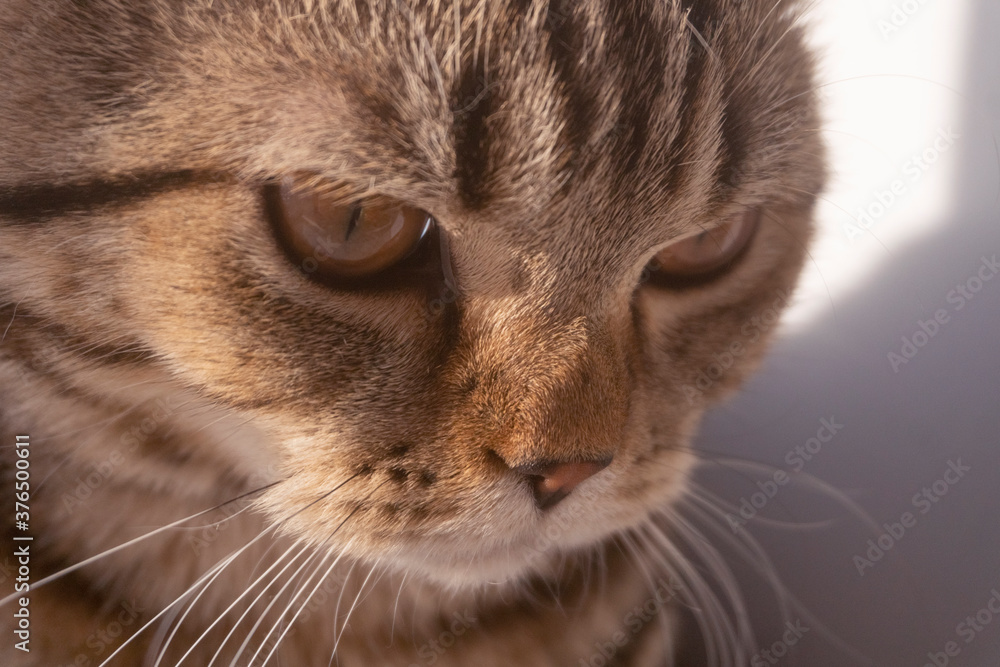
166, 357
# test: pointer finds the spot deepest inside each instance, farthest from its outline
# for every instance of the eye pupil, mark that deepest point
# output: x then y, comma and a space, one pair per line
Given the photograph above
353, 223
334, 239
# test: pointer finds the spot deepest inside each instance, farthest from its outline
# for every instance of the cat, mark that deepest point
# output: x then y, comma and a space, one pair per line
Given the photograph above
374, 332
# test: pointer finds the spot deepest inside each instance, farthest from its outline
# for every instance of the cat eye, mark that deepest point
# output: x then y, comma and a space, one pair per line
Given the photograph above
344, 239
705, 255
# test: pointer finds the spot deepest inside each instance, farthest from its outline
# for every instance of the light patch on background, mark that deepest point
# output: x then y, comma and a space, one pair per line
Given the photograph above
891, 81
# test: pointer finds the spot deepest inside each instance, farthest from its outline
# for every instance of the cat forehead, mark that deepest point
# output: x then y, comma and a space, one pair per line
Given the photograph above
503, 103
467, 103
497, 101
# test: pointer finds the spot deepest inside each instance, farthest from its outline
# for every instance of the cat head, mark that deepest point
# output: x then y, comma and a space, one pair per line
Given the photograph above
533, 356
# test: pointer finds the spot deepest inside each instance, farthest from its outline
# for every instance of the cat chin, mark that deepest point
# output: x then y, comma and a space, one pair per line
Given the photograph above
455, 567
477, 576
500, 569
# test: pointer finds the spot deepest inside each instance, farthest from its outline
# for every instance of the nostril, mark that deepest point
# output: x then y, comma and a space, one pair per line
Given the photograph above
554, 480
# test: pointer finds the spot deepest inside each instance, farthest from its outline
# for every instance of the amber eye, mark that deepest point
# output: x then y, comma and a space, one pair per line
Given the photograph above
344, 239
707, 253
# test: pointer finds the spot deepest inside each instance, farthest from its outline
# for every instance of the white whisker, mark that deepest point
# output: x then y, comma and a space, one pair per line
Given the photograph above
263, 614
279, 621
354, 604
755, 555
395, 607
246, 592
810, 481
206, 576
73, 568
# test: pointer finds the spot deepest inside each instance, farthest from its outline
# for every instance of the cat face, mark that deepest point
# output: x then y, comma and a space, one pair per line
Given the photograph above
526, 351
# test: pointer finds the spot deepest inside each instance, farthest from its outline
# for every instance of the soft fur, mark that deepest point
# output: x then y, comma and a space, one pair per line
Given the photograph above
166, 357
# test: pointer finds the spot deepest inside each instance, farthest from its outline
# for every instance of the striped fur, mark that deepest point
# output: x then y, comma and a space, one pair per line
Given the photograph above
166, 357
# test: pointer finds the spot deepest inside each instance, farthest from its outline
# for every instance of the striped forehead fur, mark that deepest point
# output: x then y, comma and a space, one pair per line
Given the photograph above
427, 105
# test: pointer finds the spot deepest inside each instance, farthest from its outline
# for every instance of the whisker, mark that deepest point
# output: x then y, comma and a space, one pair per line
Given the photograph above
746, 547
288, 607
828, 489
846, 214
216, 523
354, 604
714, 560
207, 575
263, 614
12, 316
701, 493
229, 559
755, 555
722, 639
812, 260
760, 26
87, 561
336, 609
176, 624
642, 555
295, 574
972, 104
395, 608
246, 592
701, 39
672, 563
304, 548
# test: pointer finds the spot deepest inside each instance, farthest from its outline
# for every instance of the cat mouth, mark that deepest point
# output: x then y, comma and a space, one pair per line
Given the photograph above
552, 482
516, 549
475, 530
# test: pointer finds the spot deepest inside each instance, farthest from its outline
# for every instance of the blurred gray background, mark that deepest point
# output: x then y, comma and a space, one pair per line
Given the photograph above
901, 429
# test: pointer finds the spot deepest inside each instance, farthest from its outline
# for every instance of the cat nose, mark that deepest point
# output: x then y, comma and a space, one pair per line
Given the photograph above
552, 481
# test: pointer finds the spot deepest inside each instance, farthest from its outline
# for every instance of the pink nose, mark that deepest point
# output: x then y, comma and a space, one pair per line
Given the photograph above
554, 480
